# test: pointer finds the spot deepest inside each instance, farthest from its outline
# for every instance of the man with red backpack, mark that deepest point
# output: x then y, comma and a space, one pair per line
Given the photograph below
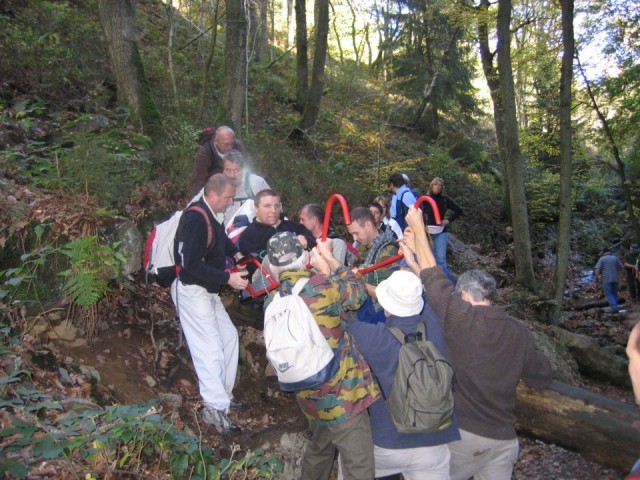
211, 336
215, 143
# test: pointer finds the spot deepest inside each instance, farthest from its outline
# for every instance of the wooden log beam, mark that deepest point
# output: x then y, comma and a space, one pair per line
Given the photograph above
593, 360
595, 426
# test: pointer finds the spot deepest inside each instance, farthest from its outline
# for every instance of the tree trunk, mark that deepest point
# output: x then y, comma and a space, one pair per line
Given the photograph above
491, 76
595, 426
312, 106
118, 20
290, 29
263, 37
566, 161
517, 196
209, 59
302, 62
173, 27
336, 32
235, 59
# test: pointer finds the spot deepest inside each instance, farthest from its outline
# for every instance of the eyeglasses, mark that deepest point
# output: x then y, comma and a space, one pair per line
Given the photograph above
232, 171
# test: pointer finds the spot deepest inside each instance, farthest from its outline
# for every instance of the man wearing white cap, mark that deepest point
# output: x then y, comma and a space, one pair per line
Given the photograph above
418, 456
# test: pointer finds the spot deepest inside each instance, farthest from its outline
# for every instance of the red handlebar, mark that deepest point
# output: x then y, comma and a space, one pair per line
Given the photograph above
327, 213
434, 207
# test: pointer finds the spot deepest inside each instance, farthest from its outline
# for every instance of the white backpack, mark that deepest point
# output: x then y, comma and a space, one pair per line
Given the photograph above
296, 348
158, 260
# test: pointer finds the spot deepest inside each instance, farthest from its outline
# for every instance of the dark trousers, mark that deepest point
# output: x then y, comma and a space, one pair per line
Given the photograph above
632, 284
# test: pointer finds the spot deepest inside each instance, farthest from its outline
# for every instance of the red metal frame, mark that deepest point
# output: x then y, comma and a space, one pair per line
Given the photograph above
327, 213
273, 284
390, 260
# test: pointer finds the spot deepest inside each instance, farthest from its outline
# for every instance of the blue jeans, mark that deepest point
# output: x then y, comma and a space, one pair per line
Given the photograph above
611, 294
440, 242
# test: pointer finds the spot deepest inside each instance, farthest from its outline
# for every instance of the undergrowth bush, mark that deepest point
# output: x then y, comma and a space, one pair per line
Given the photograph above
94, 442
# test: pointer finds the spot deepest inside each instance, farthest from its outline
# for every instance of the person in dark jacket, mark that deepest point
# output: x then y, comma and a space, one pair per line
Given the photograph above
210, 157
268, 222
438, 232
490, 353
211, 337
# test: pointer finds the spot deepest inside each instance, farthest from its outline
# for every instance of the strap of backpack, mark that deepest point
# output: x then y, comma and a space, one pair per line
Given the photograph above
297, 288
198, 208
400, 335
396, 332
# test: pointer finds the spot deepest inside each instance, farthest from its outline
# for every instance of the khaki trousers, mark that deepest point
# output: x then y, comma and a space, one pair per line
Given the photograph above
352, 439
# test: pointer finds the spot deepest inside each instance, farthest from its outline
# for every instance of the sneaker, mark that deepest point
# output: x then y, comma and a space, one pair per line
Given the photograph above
219, 419
239, 406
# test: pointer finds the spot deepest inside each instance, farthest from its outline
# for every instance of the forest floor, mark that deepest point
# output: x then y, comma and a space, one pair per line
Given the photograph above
138, 358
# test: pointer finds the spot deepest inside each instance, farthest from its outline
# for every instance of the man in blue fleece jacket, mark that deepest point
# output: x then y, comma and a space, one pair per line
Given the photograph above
418, 456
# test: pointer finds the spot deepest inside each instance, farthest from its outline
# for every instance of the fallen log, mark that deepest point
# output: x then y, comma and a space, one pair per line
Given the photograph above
595, 426
589, 303
593, 360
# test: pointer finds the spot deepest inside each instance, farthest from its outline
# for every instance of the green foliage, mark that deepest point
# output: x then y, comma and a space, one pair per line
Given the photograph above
23, 285
107, 165
51, 45
133, 438
92, 265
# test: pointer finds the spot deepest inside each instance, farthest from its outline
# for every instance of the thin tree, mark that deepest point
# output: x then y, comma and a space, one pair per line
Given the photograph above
312, 105
619, 167
566, 160
490, 70
235, 60
118, 20
173, 27
517, 196
302, 62
208, 61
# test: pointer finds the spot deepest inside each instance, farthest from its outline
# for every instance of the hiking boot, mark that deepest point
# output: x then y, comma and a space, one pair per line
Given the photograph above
219, 419
239, 406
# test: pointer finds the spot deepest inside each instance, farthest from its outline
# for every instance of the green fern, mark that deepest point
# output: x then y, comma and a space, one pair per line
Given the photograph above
92, 265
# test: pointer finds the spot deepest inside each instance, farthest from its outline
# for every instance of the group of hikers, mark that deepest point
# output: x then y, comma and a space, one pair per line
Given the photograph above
355, 308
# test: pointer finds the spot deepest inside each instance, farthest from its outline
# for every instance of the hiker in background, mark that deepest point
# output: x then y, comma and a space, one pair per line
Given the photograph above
417, 456
378, 215
269, 221
631, 272
312, 217
607, 271
402, 199
211, 337
633, 352
439, 235
247, 184
407, 181
210, 156
490, 353
386, 220
337, 409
